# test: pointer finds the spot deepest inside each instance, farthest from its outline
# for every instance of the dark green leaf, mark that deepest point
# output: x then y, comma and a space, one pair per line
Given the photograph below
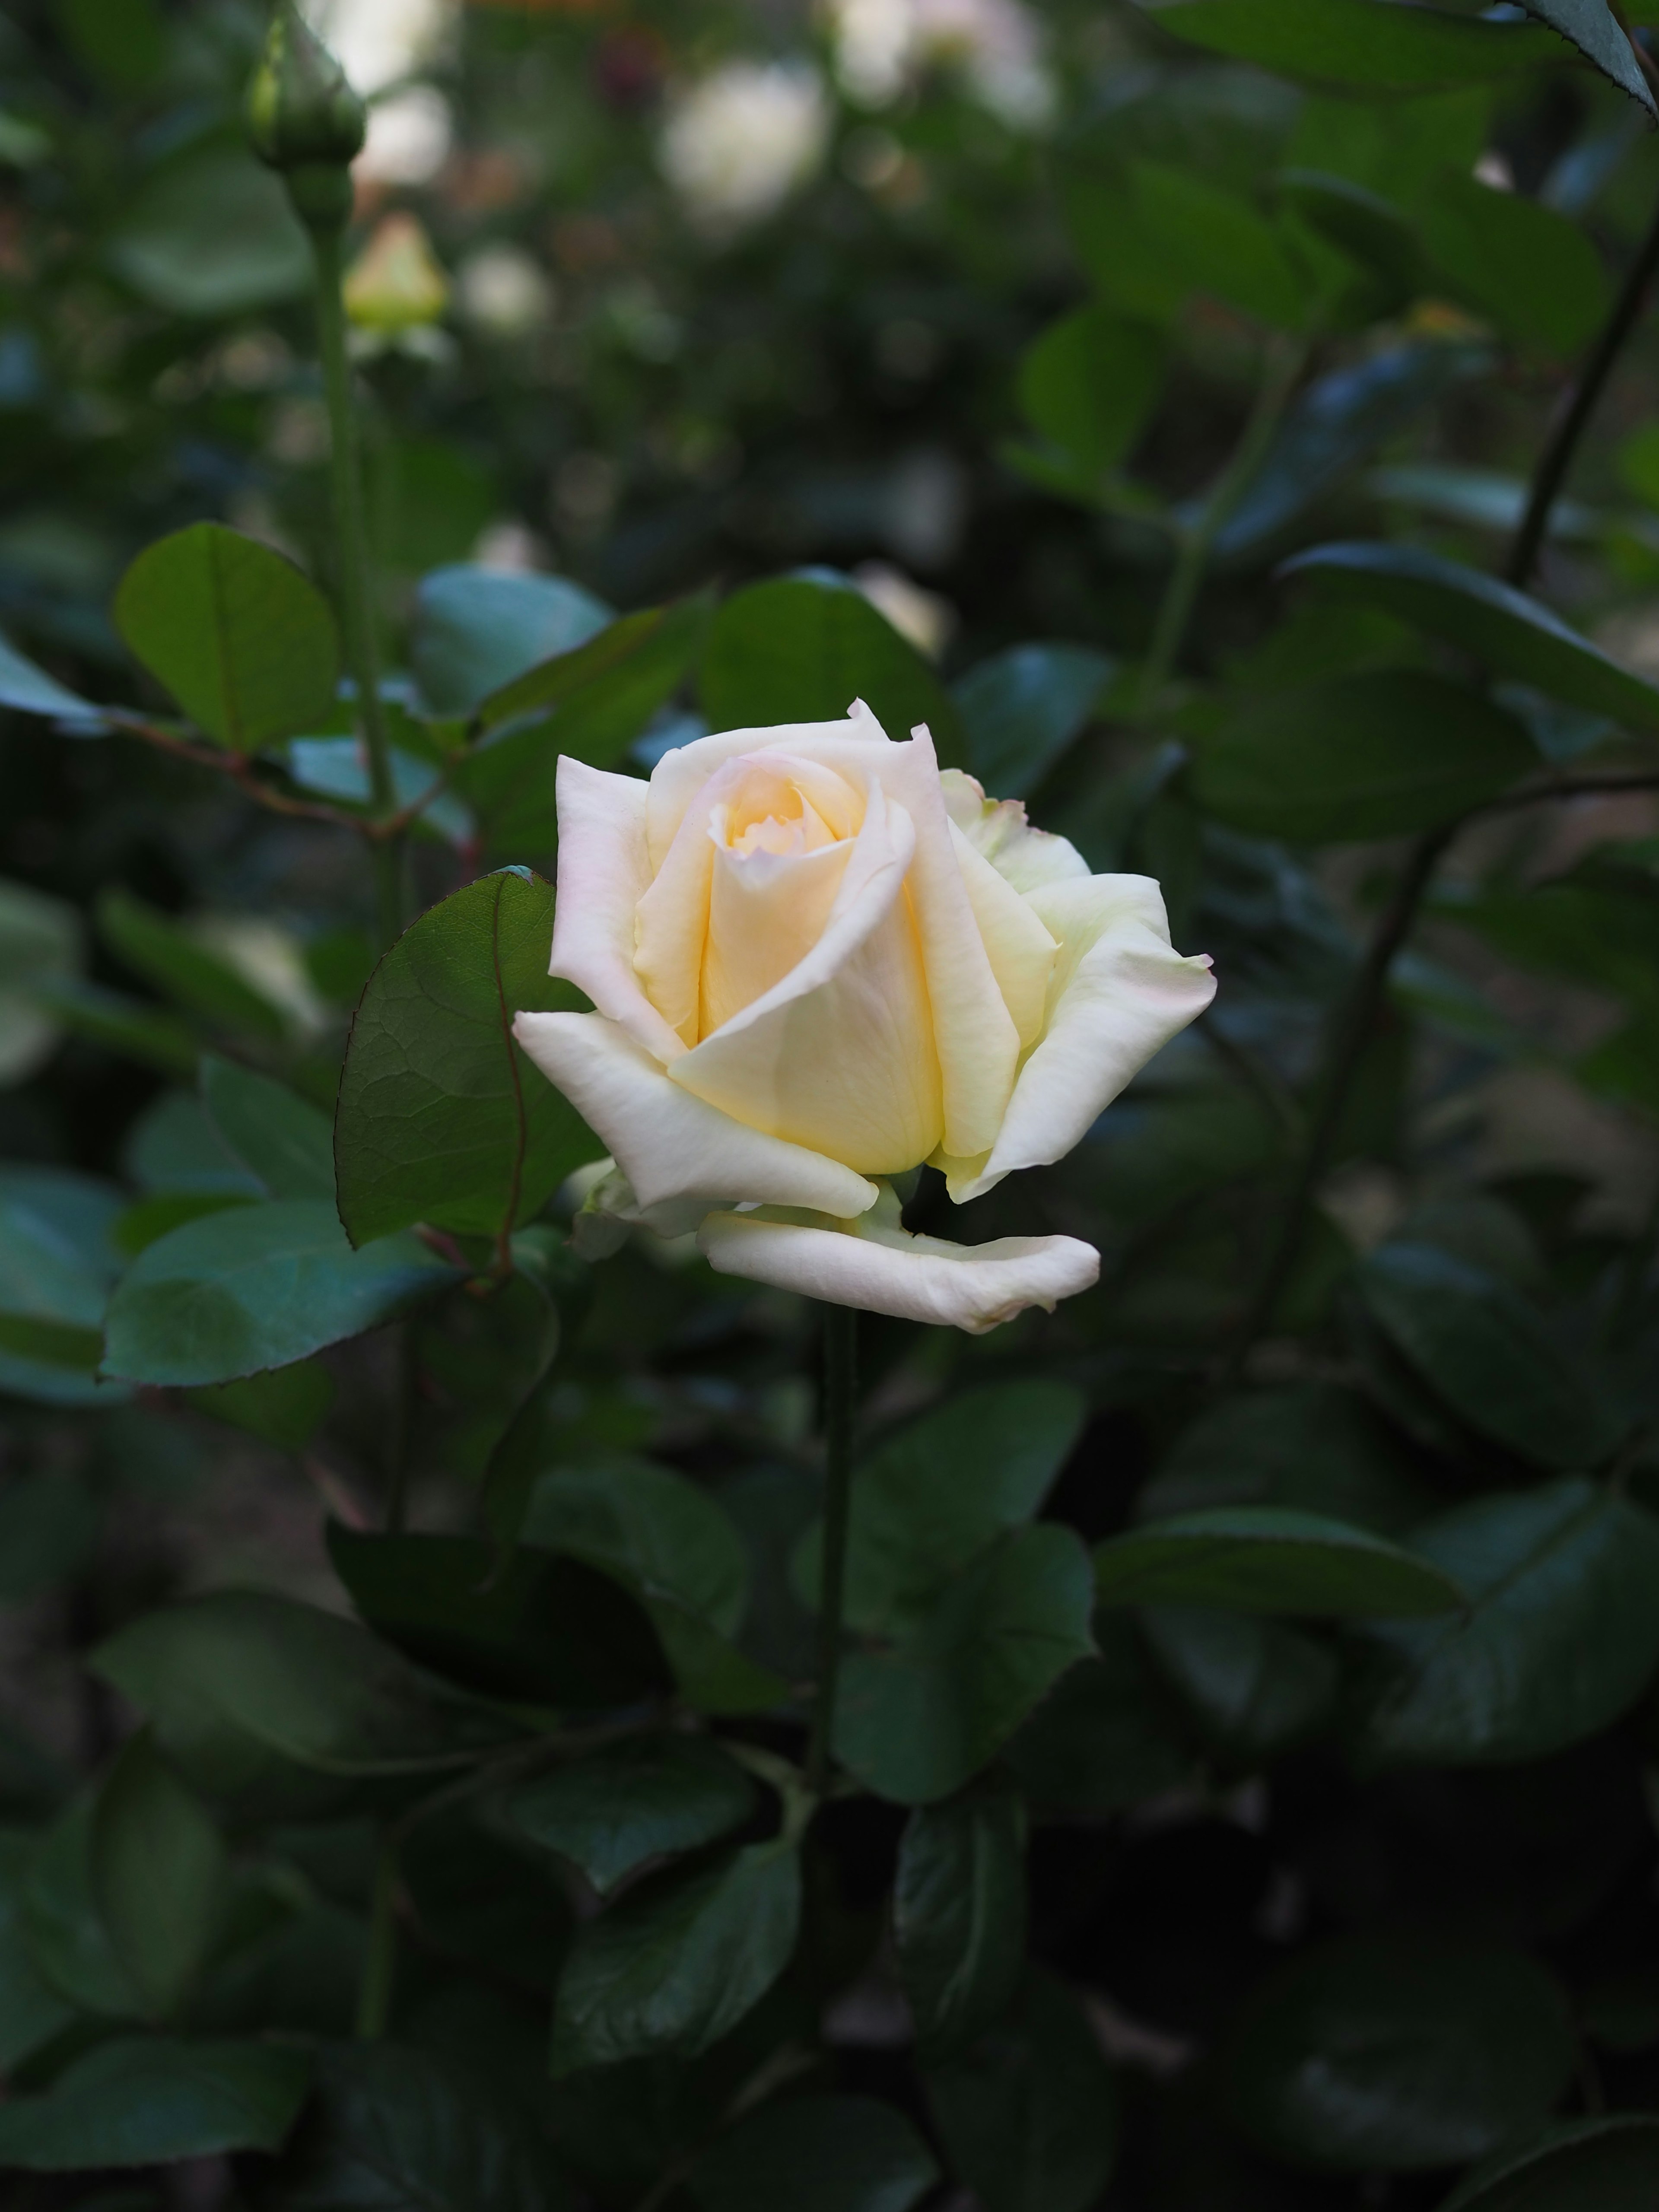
1269, 1559
931, 1498
1398, 2050
392, 2129
27, 689
1596, 30
1217, 242
286, 1406
57, 1259
802, 649
514, 1625
959, 1912
1486, 1352
159, 1872
1360, 45
1515, 635
1562, 1638
1609, 2165
815, 2154
1529, 270
441, 1118
211, 233
130, 1027
1029, 2115
1089, 383
1254, 1688
1363, 226
150, 2101
919, 1719
679, 1960
1360, 757
1022, 708
277, 1136
1108, 1735
67, 1938
259, 1286
31, 2012
1315, 1447
262, 1702
476, 630
164, 953
642, 1799
242, 640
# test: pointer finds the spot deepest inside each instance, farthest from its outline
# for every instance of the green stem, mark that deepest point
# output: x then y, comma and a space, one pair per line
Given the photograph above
380, 1959
839, 1401
356, 599
1175, 612
400, 1430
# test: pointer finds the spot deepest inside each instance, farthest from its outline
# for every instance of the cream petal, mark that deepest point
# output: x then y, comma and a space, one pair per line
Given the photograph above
1119, 993
883, 1270
766, 912
679, 776
669, 1143
838, 1055
603, 871
1021, 951
997, 830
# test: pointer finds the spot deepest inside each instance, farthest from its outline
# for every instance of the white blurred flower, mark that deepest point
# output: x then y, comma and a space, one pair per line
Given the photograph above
504, 290
379, 42
409, 138
921, 616
739, 142
883, 46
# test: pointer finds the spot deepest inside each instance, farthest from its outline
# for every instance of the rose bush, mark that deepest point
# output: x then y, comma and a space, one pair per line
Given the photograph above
818, 962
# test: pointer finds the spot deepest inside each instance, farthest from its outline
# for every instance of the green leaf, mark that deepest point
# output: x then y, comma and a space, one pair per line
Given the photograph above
815, 2154
1486, 1349
645, 1798
150, 2101
1022, 708
164, 953
393, 2127
916, 1721
211, 233
1514, 634
27, 689
959, 1912
1562, 1635
67, 1940
160, 1873
519, 1627
475, 630
1108, 1735
1583, 2166
285, 1406
1363, 226
1217, 243
441, 1118
1596, 30
271, 1706
1530, 271
802, 648
130, 1027
57, 1260
1255, 1688
677, 1964
677, 1550
935, 1495
1269, 1559
31, 2012
1360, 45
1398, 2050
258, 1286
1360, 757
1029, 2115
41, 941
234, 630
1090, 382
1315, 1447
277, 1136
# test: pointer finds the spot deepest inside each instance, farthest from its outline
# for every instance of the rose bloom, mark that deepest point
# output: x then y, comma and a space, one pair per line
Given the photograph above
818, 962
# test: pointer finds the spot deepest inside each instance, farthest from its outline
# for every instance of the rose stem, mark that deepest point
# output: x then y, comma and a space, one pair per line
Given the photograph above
840, 1396
381, 1959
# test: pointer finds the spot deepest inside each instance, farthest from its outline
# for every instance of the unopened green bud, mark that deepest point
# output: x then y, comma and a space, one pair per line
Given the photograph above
304, 118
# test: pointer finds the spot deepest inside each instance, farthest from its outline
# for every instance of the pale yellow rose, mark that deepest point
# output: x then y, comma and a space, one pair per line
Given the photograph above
818, 962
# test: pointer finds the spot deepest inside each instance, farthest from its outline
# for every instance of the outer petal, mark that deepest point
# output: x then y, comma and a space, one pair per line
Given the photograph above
1119, 993
603, 871
1021, 951
839, 1055
997, 830
881, 1269
669, 1143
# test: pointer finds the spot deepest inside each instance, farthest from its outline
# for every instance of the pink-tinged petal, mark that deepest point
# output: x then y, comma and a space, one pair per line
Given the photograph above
603, 872
1120, 992
838, 1055
669, 1143
881, 1269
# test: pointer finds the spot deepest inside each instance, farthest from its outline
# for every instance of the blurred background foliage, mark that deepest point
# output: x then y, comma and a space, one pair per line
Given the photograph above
1052, 332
